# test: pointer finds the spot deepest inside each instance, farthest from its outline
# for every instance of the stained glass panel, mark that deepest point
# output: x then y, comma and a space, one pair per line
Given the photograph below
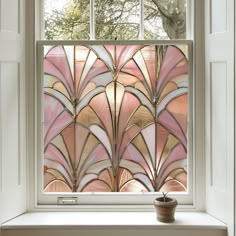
115, 118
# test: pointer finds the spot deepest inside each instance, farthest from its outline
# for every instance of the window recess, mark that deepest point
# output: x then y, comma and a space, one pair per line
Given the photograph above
138, 182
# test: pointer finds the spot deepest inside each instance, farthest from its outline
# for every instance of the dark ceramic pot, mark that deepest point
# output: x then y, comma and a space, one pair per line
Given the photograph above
165, 209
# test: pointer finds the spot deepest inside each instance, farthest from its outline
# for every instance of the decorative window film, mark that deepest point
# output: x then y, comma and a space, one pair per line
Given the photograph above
115, 118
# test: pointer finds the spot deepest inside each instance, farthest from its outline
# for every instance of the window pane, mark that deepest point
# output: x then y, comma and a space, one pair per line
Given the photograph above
66, 19
70, 19
115, 118
117, 19
164, 19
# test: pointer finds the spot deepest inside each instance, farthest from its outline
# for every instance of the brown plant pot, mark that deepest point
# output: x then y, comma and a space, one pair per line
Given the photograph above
165, 209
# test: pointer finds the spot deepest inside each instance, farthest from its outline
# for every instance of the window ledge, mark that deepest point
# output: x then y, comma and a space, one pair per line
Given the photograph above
76, 220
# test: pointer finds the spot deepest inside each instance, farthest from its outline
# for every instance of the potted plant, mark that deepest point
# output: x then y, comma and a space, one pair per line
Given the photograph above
165, 208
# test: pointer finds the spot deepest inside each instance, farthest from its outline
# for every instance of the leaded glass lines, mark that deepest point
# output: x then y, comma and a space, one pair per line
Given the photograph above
115, 118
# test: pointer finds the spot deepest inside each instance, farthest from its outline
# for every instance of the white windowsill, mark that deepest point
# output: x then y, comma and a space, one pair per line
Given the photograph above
56, 220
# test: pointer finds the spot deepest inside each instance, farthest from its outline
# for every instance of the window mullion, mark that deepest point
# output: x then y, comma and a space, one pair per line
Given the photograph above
189, 19
40, 12
141, 29
92, 20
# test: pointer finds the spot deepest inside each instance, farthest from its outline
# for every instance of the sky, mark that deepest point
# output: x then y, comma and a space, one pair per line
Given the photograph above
54, 5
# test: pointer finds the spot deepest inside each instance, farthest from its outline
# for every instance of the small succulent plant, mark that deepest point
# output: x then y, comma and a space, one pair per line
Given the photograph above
164, 196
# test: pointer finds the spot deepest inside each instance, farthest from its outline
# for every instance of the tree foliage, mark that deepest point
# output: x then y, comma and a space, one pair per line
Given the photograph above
173, 17
117, 20
70, 23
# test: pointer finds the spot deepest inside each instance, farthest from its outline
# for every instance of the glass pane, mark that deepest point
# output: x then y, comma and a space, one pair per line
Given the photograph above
164, 19
66, 19
117, 19
115, 118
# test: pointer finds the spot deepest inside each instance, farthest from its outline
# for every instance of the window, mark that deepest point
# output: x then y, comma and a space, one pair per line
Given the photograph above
110, 19
115, 115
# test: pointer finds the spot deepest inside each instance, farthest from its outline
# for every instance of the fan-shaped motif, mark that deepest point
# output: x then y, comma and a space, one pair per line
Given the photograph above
115, 118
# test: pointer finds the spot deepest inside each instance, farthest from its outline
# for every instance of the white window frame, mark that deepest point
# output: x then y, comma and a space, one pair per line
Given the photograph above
196, 201
109, 198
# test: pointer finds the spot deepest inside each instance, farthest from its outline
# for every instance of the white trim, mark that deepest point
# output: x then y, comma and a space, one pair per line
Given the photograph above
39, 131
141, 29
234, 191
112, 42
140, 220
19, 122
106, 208
1, 175
32, 35
189, 19
220, 46
199, 104
1, 16
40, 11
19, 17
92, 20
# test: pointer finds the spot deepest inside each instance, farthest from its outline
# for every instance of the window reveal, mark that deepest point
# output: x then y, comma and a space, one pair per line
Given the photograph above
115, 118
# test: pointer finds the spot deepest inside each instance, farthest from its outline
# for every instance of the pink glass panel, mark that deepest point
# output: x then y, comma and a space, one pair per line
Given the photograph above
115, 118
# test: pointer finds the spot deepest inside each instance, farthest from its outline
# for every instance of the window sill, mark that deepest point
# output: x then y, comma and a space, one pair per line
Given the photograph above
77, 220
